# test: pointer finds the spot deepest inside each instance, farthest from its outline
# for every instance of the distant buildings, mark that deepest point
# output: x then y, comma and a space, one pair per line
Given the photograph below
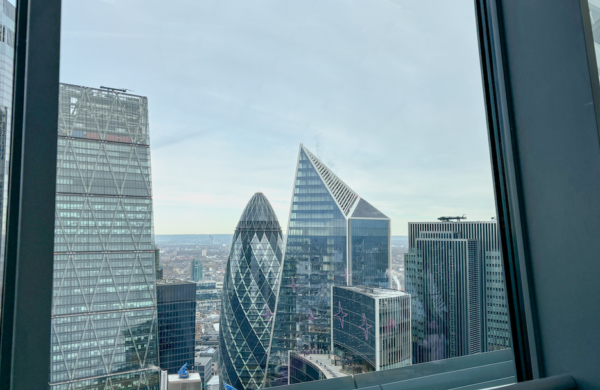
335, 238
197, 273
203, 364
371, 328
104, 291
455, 278
249, 296
176, 323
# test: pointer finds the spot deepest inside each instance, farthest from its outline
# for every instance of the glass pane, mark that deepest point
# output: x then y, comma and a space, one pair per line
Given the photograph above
595, 17
274, 192
7, 49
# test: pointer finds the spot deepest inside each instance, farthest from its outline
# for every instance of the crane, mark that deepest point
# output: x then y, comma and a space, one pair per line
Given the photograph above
448, 219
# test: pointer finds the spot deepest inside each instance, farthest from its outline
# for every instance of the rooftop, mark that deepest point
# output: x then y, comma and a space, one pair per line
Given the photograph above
202, 361
194, 377
375, 292
323, 362
173, 281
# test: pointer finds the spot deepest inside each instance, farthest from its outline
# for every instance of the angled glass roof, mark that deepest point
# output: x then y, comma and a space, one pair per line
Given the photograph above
343, 195
364, 209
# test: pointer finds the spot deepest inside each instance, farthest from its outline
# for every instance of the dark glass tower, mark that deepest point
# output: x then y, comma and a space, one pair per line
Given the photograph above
176, 306
335, 238
249, 296
104, 289
455, 276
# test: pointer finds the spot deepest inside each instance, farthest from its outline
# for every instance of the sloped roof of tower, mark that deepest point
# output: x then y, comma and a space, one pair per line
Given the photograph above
341, 192
364, 209
343, 195
259, 214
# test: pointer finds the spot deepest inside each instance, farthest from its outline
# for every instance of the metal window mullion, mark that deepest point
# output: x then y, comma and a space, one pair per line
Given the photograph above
25, 342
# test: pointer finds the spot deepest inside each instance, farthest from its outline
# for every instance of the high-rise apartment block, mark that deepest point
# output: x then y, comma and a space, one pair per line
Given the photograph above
7, 49
249, 296
197, 273
104, 294
455, 278
176, 305
371, 328
335, 238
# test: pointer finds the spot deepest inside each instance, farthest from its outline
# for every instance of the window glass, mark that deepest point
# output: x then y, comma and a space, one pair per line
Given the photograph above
272, 192
7, 49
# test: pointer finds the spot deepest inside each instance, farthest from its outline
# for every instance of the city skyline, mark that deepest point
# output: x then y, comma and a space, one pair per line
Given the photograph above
262, 80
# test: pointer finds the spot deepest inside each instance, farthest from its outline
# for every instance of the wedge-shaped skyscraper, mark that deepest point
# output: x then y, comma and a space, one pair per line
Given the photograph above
335, 238
249, 296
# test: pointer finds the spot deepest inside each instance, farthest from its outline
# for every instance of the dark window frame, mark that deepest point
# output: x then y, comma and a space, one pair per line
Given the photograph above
25, 338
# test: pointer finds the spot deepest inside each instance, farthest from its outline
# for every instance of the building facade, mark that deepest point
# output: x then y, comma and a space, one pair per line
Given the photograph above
371, 328
197, 273
455, 276
176, 306
157, 267
104, 290
334, 238
249, 297
7, 49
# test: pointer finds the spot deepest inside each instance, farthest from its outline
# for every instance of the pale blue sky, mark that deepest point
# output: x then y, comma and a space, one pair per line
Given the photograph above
387, 93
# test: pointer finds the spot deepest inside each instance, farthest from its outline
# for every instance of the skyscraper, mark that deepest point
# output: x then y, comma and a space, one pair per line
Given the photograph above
335, 238
249, 296
197, 273
176, 306
371, 328
104, 294
7, 49
157, 267
455, 278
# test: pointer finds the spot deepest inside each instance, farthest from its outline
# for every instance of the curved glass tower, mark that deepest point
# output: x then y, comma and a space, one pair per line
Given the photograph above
249, 296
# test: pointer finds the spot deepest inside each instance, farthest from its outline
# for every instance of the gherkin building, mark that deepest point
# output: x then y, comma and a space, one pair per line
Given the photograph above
249, 297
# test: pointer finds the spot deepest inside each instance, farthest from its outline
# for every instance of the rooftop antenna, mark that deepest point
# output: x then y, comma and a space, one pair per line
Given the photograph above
449, 219
116, 89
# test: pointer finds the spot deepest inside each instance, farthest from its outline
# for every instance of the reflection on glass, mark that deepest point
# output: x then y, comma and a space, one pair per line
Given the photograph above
454, 276
595, 17
7, 49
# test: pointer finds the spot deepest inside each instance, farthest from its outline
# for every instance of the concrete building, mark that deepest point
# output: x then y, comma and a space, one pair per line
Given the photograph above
194, 382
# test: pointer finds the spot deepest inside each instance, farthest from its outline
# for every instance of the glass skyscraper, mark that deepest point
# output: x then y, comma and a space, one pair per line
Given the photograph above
197, 273
104, 320
176, 306
371, 328
455, 277
249, 296
335, 238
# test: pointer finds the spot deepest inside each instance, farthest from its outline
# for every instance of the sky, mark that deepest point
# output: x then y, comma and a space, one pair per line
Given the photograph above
387, 93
